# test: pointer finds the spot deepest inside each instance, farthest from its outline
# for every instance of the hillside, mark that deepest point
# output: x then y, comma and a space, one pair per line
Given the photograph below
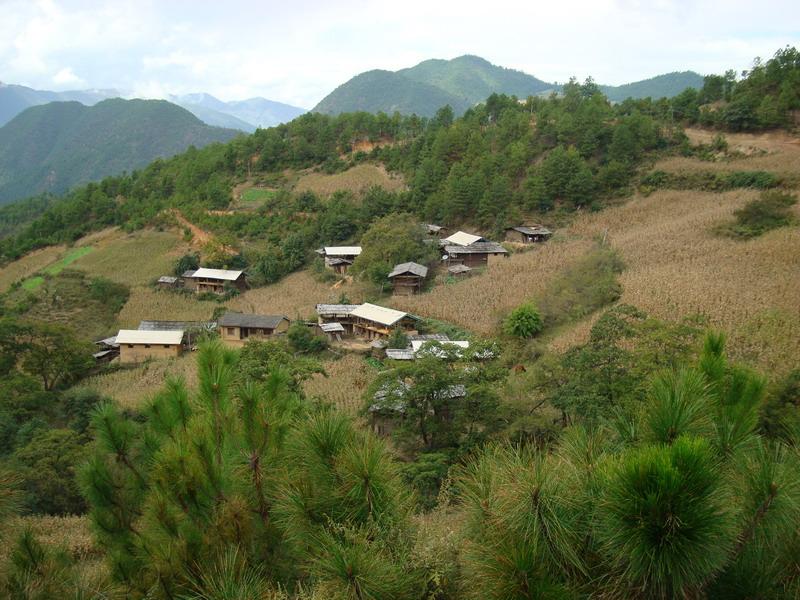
16, 98
53, 147
245, 115
660, 86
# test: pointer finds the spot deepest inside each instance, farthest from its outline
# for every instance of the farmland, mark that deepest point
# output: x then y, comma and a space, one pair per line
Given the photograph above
356, 179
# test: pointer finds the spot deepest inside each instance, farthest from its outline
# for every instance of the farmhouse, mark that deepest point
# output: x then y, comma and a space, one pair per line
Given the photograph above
339, 258
192, 330
137, 345
333, 331
167, 282
236, 328
528, 234
217, 281
371, 321
336, 313
407, 278
470, 250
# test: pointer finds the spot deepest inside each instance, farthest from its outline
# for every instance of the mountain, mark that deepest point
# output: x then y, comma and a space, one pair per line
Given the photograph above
423, 89
246, 115
16, 98
660, 86
53, 147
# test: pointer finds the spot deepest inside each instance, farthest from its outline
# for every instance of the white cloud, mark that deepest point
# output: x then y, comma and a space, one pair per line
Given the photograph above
298, 52
66, 76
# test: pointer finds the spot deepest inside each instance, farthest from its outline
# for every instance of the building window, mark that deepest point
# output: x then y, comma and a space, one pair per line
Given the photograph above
166, 345
231, 331
147, 345
130, 345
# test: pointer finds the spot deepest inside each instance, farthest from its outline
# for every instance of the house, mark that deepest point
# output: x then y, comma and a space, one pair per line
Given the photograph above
459, 270
371, 321
236, 328
339, 258
527, 234
470, 250
407, 278
389, 405
192, 330
337, 313
137, 345
167, 282
217, 281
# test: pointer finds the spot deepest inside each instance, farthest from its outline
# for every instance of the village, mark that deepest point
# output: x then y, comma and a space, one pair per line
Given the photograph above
364, 327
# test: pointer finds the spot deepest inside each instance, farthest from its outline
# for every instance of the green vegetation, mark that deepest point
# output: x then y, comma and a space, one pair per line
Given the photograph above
710, 181
53, 147
524, 322
660, 86
770, 211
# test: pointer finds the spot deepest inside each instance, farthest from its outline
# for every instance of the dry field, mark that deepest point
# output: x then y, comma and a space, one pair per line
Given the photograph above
28, 265
135, 258
776, 152
480, 302
675, 266
130, 387
147, 303
358, 179
348, 378
295, 295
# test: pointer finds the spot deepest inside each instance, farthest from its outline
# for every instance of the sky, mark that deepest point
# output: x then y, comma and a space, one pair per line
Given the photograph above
297, 52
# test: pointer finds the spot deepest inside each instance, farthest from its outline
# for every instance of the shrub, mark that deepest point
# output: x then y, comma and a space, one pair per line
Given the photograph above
770, 211
303, 340
398, 339
524, 322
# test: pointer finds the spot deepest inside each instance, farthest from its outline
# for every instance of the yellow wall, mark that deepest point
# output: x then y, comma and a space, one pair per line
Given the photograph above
139, 353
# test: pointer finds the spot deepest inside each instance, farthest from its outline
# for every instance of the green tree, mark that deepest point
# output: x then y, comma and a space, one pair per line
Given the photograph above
524, 322
55, 354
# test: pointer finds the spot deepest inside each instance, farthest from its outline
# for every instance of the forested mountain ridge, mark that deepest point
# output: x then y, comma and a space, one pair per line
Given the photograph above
16, 98
52, 147
467, 80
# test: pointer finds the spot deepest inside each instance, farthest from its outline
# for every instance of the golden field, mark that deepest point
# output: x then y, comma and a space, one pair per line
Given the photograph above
356, 179
344, 384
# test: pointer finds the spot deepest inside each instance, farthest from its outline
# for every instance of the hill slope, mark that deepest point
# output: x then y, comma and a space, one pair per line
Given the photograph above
660, 86
53, 147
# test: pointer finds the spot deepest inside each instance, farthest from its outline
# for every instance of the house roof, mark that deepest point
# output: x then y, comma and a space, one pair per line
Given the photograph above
338, 261
342, 250
432, 228
462, 238
378, 314
391, 398
459, 269
428, 337
531, 229
476, 248
174, 325
409, 267
188, 274
332, 327
335, 309
217, 274
109, 341
416, 345
399, 354
232, 319
167, 279
137, 336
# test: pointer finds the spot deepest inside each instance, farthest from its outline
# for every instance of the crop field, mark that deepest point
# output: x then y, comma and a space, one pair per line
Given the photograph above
478, 303
296, 294
676, 266
28, 265
345, 384
130, 386
134, 259
357, 179
147, 303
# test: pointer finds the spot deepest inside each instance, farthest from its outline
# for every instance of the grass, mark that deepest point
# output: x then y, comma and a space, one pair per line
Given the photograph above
356, 179
70, 257
254, 197
348, 378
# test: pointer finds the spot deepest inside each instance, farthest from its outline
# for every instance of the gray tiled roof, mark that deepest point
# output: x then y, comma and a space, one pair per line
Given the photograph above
476, 248
409, 267
232, 319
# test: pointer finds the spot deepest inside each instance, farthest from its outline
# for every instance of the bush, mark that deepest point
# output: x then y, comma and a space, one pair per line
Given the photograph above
770, 211
398, 339
303, 340
524, 322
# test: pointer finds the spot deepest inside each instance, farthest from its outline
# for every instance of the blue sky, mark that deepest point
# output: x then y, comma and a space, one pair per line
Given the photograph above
299, 51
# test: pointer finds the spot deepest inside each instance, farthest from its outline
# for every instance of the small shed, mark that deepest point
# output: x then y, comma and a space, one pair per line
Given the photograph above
434, 230
528, 234
334, 331
167, 282
459, 270
407, 278
473, 255
136, 345
339, 258
237, 328
107, 350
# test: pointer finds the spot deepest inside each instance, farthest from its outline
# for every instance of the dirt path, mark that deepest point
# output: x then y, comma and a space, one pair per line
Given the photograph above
200, 237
